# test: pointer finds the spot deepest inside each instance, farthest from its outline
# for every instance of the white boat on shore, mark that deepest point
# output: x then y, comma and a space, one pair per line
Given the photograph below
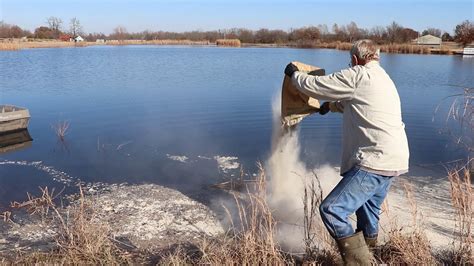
468, 51
13, 118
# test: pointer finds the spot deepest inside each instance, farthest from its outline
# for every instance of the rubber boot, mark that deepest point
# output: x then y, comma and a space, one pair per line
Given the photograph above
354, 250
371, 242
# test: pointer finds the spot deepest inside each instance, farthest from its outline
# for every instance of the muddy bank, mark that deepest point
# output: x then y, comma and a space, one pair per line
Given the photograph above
152, 217
144, 217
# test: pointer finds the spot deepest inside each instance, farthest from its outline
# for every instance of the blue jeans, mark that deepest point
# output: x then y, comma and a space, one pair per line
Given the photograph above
361, 192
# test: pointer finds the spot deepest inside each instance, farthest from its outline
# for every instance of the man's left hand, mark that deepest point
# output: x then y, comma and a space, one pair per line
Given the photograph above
290, 69
324, 109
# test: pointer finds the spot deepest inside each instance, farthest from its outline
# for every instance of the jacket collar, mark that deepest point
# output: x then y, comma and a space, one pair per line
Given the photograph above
372, 63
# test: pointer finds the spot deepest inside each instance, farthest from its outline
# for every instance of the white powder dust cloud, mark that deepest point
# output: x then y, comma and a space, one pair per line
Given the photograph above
287, 175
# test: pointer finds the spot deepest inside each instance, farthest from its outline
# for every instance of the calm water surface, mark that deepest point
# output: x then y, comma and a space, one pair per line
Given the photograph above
131, 108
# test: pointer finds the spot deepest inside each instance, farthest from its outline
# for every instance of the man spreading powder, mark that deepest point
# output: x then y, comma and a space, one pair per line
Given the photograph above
375, 147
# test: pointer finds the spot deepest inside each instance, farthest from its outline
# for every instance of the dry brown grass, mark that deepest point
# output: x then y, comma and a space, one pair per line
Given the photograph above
404, 49
17, 45
319, 246
386, 48
80, 237
156, 42
228, 42
462, 198
407, 245
61, 129
250, 241
10, 46
38, 205
83, 239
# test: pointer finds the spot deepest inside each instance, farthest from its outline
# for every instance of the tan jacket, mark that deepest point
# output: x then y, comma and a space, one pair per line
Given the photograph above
373, 132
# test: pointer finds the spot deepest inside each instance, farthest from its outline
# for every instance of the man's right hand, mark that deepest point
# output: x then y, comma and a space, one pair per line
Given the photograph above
324, 109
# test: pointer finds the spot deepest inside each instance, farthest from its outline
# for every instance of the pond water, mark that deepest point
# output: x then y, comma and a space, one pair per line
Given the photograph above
185, 116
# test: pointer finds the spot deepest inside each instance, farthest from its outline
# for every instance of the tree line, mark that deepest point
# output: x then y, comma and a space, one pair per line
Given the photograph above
54, 28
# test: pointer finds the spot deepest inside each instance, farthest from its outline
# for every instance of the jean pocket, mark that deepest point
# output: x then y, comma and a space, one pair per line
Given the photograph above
369, 183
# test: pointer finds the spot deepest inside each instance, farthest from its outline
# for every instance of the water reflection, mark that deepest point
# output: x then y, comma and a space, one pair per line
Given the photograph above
14, 141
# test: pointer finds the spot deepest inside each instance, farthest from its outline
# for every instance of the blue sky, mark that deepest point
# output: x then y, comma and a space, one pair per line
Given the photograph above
184, 15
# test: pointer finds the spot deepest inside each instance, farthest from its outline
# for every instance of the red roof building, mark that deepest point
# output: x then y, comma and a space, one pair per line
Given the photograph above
65, 37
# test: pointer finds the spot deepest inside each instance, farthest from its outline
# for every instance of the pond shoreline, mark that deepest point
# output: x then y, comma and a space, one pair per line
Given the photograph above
405, 48
146, 219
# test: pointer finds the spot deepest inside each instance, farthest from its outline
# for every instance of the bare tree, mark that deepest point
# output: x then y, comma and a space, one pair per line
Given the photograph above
464, 32
378, 34
75, 27
353, 31
55, 25
120, 33
432, 31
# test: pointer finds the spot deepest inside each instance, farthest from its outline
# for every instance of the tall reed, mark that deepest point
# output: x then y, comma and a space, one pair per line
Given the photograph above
9, 46
228, 42
61, 129
251, 240
462, 198
80, 237
407, 245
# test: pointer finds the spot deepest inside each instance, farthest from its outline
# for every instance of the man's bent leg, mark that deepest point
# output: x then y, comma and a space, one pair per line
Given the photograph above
368, 214
355, 188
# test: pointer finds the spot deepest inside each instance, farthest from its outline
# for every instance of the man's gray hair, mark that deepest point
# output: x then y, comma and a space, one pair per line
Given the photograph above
366, 50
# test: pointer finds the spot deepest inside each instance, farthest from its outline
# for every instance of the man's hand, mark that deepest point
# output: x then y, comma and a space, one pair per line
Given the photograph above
324, 109
290, 69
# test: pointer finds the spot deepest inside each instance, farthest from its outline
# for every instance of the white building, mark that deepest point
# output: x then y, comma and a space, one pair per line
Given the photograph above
78, 39
429, 40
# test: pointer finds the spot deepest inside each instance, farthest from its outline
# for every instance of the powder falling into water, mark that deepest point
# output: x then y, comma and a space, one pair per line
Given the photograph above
287, 178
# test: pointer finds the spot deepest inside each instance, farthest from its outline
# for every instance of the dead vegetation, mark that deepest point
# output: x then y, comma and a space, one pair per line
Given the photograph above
462, 198
80, 237
155, 42
18, 45
460, 126
459, 118
251, 237
228, 42
320, 248
403, 48
61, 129
407, 245
10, 46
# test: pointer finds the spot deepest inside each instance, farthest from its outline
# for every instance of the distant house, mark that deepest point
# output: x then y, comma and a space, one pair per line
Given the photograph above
65, 37
78, 39
100, 41
429, 40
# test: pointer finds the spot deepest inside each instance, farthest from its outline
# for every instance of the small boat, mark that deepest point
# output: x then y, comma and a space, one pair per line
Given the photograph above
15, 140
13, 118
468, 51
